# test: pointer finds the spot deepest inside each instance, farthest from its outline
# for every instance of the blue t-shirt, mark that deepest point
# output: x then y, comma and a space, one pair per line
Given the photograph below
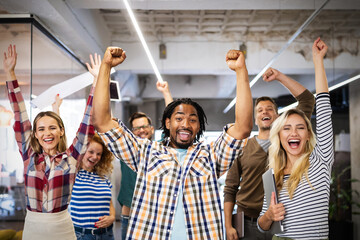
179, 228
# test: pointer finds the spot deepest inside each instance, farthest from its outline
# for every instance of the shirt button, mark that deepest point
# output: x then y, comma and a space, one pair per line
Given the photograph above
175, 195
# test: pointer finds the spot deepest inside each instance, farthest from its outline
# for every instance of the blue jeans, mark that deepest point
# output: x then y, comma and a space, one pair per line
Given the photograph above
124, 226
109, 235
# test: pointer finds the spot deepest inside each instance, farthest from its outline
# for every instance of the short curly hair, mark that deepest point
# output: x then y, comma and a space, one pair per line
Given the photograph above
104, 167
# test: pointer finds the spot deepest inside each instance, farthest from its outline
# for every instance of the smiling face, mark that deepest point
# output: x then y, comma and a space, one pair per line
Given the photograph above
92, 156
265, 115
183, 126
294, 135
48, 134
142, 128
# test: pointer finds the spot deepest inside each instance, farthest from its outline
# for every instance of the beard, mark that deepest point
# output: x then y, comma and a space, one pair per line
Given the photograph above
266, 128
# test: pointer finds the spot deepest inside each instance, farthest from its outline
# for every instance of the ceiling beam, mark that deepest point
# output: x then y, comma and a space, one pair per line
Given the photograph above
216, 4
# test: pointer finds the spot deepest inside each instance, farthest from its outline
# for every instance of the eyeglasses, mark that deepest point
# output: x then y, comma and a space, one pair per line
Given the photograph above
136, 129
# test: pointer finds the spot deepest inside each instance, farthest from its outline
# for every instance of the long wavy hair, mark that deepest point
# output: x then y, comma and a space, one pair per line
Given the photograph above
34, 143
278, 157
104, 167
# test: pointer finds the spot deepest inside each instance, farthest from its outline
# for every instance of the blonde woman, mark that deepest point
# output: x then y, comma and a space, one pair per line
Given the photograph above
302, 165
49, 167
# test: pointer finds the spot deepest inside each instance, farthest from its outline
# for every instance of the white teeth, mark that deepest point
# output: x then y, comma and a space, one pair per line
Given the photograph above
266, 118
48, 139
294, 141
184, 133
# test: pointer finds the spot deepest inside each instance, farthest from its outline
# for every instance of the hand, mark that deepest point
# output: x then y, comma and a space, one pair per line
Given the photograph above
231, 234
104, 221
162, 86
276, 212
114, 56
95, 65
56, 105
319, 49
235, 59
10, 59
271, 74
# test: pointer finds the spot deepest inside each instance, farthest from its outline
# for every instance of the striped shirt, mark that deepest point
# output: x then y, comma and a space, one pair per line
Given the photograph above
306, 214
48, 179
90, 199
159, 177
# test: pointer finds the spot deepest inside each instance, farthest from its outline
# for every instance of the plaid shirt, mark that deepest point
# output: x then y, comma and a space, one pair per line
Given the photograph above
160, 176
48, 179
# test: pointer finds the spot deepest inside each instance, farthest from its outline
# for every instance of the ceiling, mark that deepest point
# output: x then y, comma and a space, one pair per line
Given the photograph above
230, 25
197, 35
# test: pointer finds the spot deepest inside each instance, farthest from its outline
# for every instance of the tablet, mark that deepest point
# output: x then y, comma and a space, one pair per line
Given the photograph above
114, 91
269, 187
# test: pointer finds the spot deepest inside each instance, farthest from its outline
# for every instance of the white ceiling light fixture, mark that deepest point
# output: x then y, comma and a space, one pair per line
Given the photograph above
330, 89
142, 40
291, 39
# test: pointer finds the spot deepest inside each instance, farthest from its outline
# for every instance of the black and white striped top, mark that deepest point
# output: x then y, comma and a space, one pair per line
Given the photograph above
307, 212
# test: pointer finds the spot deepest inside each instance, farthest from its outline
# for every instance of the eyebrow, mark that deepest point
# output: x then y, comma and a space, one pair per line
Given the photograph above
182, 113
53, 125
289, 125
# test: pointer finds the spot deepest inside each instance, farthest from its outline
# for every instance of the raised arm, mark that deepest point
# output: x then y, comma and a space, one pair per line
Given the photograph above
244, 106
22, 125
56, 105
294, 87
163, 87
94, 67
10, 63
304, 97
319, 50
101, 117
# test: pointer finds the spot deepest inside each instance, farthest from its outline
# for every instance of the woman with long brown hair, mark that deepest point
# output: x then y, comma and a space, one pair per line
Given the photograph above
49, 167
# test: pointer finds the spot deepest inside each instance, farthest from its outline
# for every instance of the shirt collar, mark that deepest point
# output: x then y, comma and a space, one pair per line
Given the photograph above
57, 157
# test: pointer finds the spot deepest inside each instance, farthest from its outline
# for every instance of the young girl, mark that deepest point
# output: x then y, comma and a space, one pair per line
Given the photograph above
91, 207
49, 168
302, 165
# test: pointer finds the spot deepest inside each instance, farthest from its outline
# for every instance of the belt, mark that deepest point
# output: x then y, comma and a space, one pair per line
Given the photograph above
93, 231
251, 219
